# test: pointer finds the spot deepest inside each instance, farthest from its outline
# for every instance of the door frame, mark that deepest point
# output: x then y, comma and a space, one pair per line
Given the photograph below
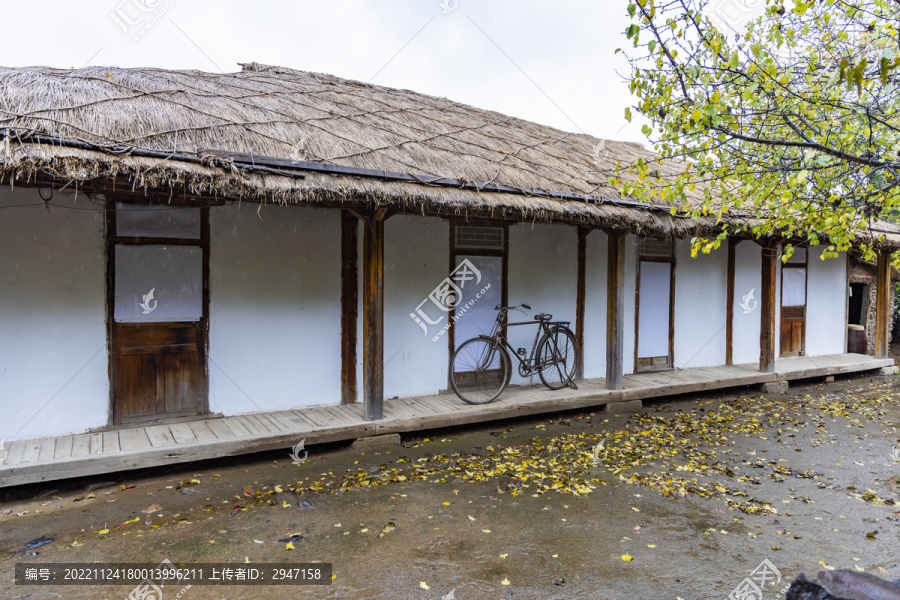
787, 265
670, 361
112, 239
503, 254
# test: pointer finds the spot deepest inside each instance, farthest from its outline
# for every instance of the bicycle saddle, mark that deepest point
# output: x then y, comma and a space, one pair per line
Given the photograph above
543, 317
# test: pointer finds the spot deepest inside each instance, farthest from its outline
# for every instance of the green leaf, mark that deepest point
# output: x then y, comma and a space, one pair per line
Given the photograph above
628, 114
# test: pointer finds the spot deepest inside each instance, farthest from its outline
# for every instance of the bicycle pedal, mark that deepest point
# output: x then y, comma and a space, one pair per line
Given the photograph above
521, 351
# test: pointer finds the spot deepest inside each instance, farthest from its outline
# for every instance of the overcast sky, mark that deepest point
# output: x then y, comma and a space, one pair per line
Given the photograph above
549, 62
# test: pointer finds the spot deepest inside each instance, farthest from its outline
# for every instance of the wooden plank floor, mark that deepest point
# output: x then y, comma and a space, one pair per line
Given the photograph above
47, 459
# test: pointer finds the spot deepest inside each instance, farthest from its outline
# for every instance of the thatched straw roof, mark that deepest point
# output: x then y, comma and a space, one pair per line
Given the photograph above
279, 112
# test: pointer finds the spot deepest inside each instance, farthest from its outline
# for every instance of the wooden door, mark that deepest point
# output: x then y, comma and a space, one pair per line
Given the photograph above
655, 306
482, 247
159, 282
793, 305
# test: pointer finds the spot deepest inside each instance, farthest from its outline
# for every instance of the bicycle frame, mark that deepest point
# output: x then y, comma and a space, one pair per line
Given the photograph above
526, 365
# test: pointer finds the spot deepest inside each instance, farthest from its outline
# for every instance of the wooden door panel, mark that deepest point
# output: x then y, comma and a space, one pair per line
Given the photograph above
136, 382
158, 371
791, 336
181, 374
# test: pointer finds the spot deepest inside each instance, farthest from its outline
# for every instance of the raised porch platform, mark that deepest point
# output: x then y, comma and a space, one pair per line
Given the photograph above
47, 459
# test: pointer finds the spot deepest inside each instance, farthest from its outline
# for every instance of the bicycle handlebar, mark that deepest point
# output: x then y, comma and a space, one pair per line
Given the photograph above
498, 307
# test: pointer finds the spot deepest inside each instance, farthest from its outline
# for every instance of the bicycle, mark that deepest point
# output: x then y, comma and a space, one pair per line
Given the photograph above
480, 369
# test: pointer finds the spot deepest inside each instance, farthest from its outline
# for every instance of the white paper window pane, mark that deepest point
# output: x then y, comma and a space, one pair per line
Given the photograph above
793, 292
157, 221
653, 327
477, 319
799, 256
159, 284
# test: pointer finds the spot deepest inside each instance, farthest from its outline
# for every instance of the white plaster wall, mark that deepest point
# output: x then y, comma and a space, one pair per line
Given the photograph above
595, 305
275, 290
747, 277
701, 299
416, 260
826, 296
53, 356
543, 273
631, 255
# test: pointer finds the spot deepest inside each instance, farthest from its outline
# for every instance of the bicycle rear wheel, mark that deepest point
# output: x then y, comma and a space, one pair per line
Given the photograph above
556, 355
479, 371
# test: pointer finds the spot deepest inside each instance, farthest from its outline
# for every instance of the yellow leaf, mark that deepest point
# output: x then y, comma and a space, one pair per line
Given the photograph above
424, 586
635, 509
471, 518
486, 530
364, 530
289, 546
627, 558
278, 489
505, 581
446, 504
651, 545
285, 505
504, 555
103, 531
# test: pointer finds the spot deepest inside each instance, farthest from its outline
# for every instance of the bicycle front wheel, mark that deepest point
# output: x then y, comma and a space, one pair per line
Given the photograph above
556, 356
479, 371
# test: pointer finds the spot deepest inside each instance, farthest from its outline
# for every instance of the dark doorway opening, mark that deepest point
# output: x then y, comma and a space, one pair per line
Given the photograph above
857, 294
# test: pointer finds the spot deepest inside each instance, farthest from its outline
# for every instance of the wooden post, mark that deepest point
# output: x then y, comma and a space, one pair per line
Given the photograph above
883, 305
349, 304
615, 311
729, 308
373, 316
767, 302
579, 302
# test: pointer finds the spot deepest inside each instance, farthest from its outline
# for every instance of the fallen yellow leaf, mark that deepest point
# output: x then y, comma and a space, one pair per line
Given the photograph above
505, 581
627, 558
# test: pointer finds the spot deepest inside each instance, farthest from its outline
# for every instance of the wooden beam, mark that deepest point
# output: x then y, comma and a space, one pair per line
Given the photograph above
729, 308
373, 316
349, 305
615, 311
883, 305
579, 302
767, 301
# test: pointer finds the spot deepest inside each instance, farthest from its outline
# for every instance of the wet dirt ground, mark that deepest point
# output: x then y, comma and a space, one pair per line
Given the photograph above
805, 479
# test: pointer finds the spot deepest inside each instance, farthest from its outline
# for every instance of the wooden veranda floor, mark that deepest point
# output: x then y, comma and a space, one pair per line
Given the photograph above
47, 459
